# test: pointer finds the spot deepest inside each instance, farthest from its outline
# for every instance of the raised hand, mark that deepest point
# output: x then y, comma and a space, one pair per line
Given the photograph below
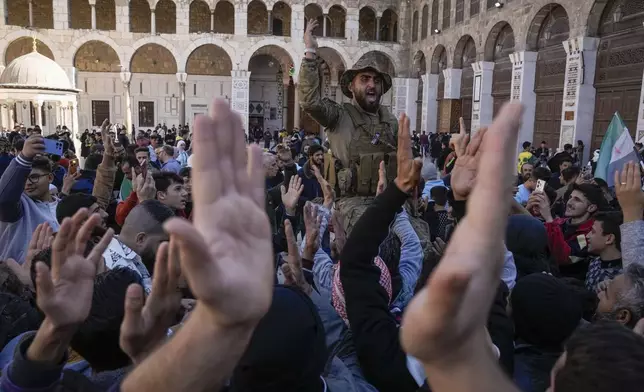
42, 238
144, 327
144, 186
444, 322
408, 175
291, 196
467, 162
382, 178
64, 293
327, 190
293, 268
227, 258
34, 145
310, 42
312, 222
108, 143
628, 188
68, 182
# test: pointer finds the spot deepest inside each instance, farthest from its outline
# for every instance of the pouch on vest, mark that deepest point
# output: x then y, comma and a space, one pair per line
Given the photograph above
375, 166
345, 177
365, 170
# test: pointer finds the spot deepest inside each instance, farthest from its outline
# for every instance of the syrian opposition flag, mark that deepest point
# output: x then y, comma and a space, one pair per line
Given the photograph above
615, 151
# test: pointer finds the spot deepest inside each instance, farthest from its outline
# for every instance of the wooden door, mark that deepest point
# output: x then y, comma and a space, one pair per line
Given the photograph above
621, 99
547, 119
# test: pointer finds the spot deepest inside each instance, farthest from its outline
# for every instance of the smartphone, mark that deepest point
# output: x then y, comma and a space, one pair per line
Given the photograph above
639, 157
541, 185
54, 147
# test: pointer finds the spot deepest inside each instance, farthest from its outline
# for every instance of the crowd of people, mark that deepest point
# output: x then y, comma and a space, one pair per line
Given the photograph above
179, 260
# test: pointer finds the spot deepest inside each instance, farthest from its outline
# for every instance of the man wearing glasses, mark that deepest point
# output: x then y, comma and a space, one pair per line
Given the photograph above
25, 199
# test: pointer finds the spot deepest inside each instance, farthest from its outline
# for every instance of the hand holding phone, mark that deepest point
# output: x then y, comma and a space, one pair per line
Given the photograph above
541, 185
54, 147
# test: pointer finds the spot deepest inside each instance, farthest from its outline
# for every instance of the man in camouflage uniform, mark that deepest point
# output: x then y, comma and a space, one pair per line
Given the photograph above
361, 133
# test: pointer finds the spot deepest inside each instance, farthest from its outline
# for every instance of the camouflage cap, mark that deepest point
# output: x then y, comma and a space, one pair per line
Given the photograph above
366, 63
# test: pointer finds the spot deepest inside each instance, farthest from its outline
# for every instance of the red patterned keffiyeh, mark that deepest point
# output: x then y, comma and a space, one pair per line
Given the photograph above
337, 295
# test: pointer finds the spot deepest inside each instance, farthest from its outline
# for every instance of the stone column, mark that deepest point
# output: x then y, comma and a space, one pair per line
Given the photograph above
482, 101
61, 14
37, 109
12, 113
296, 107
270, 22
153, 22
93, 7
352, 25
324, 25
241, 25
75, 125
31, 13
240, 94
403, 98
377, 28
524, 68
640, 119
3, 12
578, 112
182, 78
297, 21
123, 18
452, 83
212, 20
430, 105
126, 78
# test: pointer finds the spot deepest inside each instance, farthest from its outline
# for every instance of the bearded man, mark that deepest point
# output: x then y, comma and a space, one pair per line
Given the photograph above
361, 133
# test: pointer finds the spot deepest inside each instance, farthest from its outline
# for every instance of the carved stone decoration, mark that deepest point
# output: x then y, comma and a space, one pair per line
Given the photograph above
240, 95
279, 80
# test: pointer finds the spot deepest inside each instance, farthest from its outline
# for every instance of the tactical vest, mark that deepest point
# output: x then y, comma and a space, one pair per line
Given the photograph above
370, 144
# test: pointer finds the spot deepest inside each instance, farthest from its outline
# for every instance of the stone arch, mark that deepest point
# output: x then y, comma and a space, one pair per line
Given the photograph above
277, 52
165, 16
419, 63
389, 26
384, 60
107, 10
94, 36
23, 46
199, 16
414, 26
275, 46
339, 4
382, 50
314, 11
209, 59
424, 26
464, 50
281, 23
333, 57
80, 14
500, 39
44, 39
549, 25
367, 24
140, 16
96, 56
339, 50
336, 22
629, 12
224, 17
220, 43
439, 60
595, 17
43, 14
153, 58
153, 40
257, 22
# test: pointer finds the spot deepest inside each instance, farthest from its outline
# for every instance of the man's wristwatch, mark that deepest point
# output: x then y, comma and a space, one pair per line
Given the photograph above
310, 50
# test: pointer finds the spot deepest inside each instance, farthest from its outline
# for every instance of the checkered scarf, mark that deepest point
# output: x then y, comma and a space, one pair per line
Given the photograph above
337, 294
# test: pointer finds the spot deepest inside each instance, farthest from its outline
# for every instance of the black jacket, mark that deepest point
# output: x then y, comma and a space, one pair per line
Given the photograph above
374, 329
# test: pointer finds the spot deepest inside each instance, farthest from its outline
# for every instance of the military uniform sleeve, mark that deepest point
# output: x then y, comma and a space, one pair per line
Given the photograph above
324, 111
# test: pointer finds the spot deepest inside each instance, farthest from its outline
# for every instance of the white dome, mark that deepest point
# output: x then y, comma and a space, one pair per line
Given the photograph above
34, 70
